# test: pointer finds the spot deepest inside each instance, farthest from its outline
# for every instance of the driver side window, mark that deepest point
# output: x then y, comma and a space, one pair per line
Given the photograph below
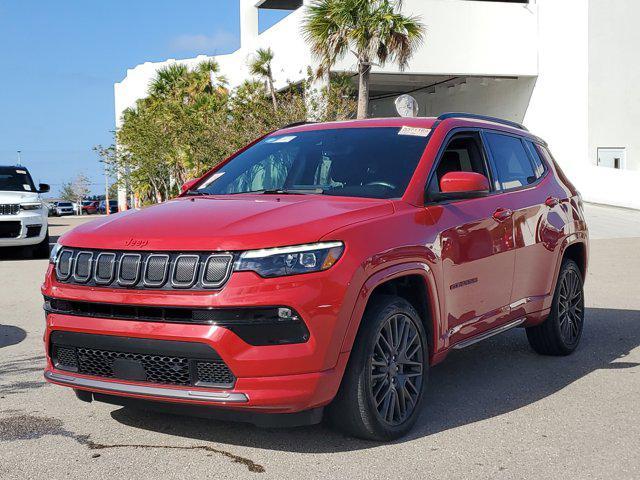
463, 153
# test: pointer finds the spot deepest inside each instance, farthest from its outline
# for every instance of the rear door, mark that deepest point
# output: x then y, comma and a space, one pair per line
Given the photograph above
538, 216
475, 245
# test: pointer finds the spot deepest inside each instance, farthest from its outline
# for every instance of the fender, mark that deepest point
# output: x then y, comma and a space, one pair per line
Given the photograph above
578, 237
378, 278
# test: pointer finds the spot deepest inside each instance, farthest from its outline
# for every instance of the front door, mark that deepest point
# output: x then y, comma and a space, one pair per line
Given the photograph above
475, 246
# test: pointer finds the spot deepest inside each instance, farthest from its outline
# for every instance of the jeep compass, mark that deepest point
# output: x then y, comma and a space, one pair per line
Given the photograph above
321, 271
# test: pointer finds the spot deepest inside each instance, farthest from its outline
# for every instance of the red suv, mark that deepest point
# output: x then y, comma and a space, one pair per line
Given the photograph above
324, 268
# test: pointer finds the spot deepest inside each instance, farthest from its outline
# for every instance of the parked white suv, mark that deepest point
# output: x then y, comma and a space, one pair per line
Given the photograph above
23, 214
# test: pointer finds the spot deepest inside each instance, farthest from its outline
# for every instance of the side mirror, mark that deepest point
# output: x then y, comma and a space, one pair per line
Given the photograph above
43, 188
461, 185
188, 184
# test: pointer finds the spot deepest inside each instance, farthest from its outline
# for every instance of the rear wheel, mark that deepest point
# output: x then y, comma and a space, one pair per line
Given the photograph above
560, 333
384, 384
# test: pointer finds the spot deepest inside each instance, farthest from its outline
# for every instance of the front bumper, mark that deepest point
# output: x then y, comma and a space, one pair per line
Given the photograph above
26, 223
272, 379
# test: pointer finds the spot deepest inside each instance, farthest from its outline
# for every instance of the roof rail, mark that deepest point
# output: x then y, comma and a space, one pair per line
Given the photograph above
444, 116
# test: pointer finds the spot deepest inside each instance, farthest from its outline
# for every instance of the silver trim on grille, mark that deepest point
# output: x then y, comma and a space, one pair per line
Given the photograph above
77, 277
129, 283
147, 283
226, 273
114, 261
96, 278
60, 275
194, 277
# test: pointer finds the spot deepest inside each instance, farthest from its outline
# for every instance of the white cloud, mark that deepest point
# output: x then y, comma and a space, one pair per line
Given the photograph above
220, 41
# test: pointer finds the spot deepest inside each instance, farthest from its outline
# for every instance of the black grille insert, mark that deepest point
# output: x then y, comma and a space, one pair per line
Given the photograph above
10, 229
254, 325
141, 360
33, 230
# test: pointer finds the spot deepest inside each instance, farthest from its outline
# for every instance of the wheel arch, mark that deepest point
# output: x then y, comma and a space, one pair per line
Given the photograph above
412, 281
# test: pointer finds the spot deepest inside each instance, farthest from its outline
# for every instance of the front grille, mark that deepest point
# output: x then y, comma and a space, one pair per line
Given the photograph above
210, 373
10, 229
143, 269
9, 208
84, 354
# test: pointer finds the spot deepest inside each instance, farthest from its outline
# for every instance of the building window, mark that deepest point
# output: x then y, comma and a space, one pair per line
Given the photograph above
612, 157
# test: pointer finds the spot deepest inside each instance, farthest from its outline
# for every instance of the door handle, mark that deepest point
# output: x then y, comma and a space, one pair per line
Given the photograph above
551, 202
502, 214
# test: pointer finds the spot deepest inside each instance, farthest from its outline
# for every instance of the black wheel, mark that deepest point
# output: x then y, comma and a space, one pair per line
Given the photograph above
41, 250
560, 333
384, 384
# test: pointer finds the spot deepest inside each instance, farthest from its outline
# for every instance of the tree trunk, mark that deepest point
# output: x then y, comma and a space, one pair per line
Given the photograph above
272, 90
364, 71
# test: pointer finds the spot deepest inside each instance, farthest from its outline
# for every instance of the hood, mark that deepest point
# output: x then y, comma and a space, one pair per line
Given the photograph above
229, 222
18, 197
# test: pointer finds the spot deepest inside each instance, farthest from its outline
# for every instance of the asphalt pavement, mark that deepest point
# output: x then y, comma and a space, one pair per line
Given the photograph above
495, 410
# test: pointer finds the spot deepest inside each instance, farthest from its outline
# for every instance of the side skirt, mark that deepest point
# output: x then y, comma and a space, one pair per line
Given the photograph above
490, 333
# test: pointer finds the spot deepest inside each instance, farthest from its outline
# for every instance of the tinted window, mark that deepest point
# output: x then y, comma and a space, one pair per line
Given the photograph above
15, 179
535, 157
373, 162
463, 154
514, 169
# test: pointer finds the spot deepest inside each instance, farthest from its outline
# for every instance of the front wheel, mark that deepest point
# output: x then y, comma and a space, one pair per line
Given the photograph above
383, 387
560, 333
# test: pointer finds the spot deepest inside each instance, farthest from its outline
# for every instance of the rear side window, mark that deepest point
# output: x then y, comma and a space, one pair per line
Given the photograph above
513, 167
535, 157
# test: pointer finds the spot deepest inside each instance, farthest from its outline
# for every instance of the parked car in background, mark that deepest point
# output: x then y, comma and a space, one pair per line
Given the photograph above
23, 214
64, 208
89, 207
113, 207
359, 255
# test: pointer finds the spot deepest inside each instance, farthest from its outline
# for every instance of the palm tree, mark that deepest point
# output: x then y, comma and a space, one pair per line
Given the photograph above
373, 30
260, 66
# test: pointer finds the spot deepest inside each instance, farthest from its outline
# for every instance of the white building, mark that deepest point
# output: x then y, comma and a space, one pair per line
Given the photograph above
567, 69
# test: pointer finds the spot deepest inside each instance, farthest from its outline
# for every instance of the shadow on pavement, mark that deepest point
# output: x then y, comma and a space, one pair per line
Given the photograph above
491, 378
11, 335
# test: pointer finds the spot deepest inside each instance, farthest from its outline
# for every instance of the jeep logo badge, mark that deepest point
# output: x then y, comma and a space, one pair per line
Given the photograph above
133, 242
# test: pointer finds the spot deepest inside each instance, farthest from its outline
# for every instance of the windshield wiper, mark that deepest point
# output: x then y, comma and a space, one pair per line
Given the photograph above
290, 191
195, 193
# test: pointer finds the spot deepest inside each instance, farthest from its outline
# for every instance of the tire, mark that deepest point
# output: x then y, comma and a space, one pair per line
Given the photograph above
41, 250
561, 332
372, 376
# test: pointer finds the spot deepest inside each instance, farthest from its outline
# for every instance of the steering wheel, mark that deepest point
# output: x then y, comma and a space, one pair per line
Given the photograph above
381, 184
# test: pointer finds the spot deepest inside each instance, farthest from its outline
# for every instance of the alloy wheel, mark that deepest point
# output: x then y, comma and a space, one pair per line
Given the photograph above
396, 366
570, 307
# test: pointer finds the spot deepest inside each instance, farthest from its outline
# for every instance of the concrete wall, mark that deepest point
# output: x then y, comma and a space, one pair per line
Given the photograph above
614, 78
558, 108
504, 98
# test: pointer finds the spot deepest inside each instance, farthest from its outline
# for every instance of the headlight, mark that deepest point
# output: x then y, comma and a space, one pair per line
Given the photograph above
31, 206
54, 253
276, 262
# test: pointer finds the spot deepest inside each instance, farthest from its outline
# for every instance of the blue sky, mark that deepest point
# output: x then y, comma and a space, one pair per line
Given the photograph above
61, 58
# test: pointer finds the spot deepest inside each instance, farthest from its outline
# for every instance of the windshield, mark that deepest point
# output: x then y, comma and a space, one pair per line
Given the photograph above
375, 162
64, 204
15, 179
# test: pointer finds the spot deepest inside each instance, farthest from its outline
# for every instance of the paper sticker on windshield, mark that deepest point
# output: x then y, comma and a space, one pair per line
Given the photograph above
285, 139
414, 131
23, 172
26, 187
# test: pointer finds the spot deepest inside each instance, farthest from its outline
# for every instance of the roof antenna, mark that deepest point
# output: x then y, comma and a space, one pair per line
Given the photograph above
19, 158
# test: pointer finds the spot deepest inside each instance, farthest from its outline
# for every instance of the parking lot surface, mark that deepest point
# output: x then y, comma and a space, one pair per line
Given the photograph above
494, 410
